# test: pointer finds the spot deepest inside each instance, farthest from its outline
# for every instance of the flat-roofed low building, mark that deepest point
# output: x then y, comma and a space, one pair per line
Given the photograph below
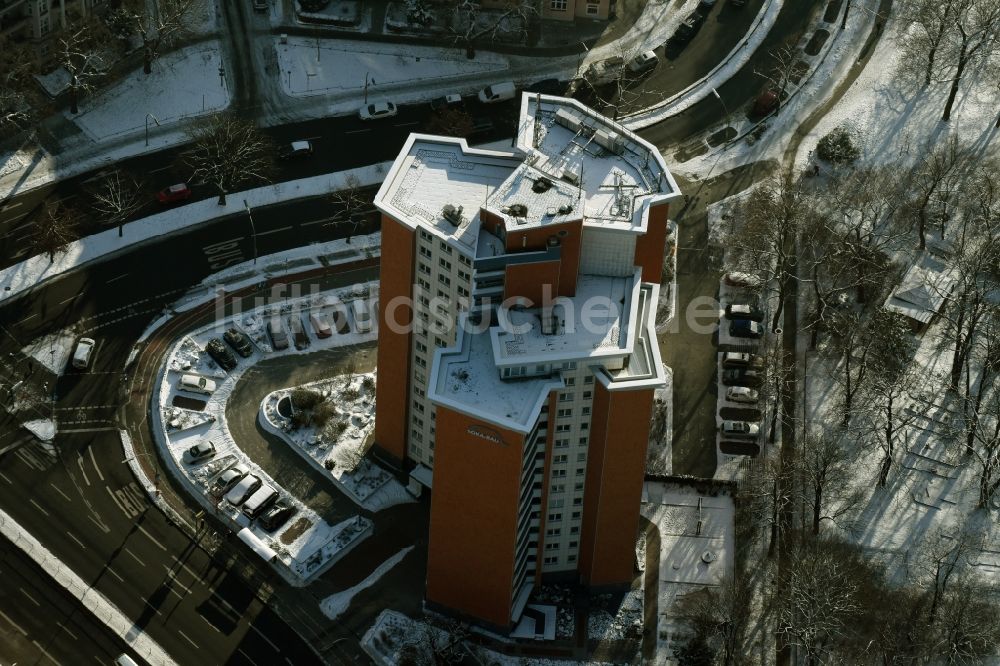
517, 350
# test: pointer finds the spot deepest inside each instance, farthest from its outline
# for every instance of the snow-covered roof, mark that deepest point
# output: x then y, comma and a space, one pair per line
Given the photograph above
597, 322
922, 291
465, 379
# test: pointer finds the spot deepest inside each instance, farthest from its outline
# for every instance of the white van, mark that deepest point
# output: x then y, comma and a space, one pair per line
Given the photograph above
362, 315
498, 92
125, 660
196, 384
260, 500
81, 355
242, 490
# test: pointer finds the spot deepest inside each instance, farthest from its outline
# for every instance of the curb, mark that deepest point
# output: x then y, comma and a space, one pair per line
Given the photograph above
105, 611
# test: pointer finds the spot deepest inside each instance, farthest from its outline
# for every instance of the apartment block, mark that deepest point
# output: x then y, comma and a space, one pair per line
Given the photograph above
517, 353
37, 21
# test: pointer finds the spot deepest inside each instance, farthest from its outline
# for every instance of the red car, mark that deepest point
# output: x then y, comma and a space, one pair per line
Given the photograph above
174, 193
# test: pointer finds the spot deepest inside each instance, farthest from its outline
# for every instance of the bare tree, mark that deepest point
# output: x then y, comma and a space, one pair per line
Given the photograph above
826, 468
18, 98
932, 185
973, 33
157, 25
350, 204
117, 197
83, 53
719, 616
227, 151
470, 24
55, 228
783, 69
450, 121
929, 22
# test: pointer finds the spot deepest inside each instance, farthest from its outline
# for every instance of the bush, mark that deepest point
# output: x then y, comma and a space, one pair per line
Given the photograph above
300, 420
350, 394
305, 399
837, 147
368, 383
323, 413
330, 463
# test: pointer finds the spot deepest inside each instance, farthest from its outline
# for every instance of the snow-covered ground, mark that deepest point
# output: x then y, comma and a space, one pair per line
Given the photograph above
697, 546
337, 604
616, 623
52, 351
184, 84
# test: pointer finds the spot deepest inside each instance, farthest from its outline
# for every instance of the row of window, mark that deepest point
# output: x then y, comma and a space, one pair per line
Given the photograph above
554, 559
564, 458
563, 5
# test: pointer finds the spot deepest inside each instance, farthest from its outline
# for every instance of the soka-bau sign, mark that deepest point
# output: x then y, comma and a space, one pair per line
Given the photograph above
487, 433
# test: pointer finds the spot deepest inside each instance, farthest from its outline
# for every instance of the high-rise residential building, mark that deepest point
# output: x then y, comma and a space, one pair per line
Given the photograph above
37, 21
517, 351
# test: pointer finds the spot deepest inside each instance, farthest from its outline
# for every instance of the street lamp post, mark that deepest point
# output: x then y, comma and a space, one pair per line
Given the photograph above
148, 116
253, 231
366, 87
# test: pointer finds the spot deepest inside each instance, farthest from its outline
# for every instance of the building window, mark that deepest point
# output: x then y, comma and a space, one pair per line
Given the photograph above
585, 411
557, 5
587, 395
445, 280
556, 504
571, 559
577, 501
560, 458
445, 248
592, 10
570, 381
424, 252
424, 235
578, 486
558, 474
565, 397
561, 443
552, 546
589, 379
576, 515
581, 456
564, 413
553, 531
421, 363
446, 265
554, 517
584, 426
553, 559
557, 488
563, 427
582, 440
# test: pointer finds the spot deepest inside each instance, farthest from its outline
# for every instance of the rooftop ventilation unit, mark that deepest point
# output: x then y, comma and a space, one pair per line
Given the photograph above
452, 214
571, 174
517, 210
541, 184
569, 120
565, 209
610, 141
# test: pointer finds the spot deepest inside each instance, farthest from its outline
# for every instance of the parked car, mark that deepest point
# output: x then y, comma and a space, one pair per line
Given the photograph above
221, 354
743, 311
261, 498
200, 451
736, 359
643, 62
229, 478
174, 193
738, 377
741, 394
765, 103
196, 384
279, 338
239, 341
498, 92
737, 279
450, 100
321, 324
242, 490
299, 334
296, 149
378, 110
740, 429
362, 315
688, 28
745, 328
82, 353
276, 516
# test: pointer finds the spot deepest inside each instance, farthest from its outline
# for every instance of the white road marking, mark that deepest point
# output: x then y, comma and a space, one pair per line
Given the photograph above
38, 507
64, 628
210, 624
100, 526
4, 477
79, 461
155, 609
63, 431
115, 500
274, 231
33, 600
70, 535
246, 656
109, 281
115, 574
306, 224
134, 557
186, 638
51, 658
312, 138
407, 124
56, 488
266, 639
224, 602
169, 166
91, 450
12, 623
185, 567
21, 203
173, 578
367, 129
71, 298
27, 318
151, 537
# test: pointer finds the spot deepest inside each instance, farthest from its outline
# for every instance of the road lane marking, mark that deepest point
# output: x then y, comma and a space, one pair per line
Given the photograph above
246, 656
70, 535
51, 658
172, 575
115, 574
4, 477
33, 600
100, 526
79, 461
225, 603
12, 623
210, 624
306, 224
21, 203
155, 609
415, 122
56, 488
266, 639
169, 166
91, 450
185, 567
151, 537
110, 280
64, 628
274, 231
27, 318
71, 298
186, 638
134, 557
38, 507
115, 500
63, 431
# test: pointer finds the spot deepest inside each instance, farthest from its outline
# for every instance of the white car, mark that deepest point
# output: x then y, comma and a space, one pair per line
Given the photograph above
200, 451
643, 61
196, 384
377, 110
741, 394
740, 429
81, 355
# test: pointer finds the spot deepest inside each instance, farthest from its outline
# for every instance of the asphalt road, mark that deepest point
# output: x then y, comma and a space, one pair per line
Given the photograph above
40, 623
